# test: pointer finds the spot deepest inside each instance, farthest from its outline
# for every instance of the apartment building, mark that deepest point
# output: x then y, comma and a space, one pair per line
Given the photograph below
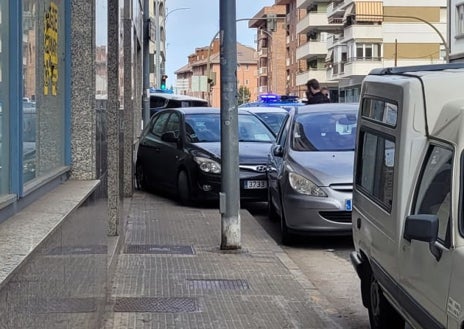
191, 79
271, 38
456, 30
314, 31
371, 34
157, 24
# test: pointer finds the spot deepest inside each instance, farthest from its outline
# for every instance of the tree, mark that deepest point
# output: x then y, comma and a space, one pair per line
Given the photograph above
244, 95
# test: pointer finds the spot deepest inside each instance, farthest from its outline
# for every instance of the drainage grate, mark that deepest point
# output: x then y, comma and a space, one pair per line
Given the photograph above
78, 250
158, 249
157, 304
219, 284
62, 305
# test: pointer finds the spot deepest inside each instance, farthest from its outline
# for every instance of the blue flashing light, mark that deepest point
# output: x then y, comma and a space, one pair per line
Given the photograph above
269, 98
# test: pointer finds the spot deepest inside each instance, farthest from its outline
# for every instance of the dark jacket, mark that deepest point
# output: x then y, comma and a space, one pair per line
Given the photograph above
318, 98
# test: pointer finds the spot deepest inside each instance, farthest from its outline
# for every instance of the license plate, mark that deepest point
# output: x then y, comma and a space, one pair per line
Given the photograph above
348, 205
255, 184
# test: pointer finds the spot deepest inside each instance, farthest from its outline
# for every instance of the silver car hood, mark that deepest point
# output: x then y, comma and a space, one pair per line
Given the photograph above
323, 168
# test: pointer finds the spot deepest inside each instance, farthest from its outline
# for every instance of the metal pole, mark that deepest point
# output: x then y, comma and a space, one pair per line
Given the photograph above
146, 63
230, 190
158, 44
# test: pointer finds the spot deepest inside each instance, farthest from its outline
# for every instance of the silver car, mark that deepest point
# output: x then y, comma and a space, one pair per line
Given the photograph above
310, 170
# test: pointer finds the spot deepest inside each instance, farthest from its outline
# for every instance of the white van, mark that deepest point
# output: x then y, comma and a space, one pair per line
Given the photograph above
408, 197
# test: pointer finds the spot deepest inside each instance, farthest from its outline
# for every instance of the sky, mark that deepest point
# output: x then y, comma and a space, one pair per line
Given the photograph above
188, 29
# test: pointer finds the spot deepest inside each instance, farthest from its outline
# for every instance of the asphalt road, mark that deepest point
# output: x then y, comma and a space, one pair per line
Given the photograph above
325, 262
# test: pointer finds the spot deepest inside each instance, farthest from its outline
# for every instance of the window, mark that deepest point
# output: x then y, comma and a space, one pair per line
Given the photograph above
460, 19
43, 86
376, 161
433, 195
371, 51
160, 122
4, 104
380, 110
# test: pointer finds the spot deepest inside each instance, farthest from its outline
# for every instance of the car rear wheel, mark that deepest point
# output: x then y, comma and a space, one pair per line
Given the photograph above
140, 179
381, 314
183, 188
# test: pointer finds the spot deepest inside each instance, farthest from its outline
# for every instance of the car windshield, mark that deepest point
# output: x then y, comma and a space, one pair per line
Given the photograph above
200, 128
334, 131
273, 120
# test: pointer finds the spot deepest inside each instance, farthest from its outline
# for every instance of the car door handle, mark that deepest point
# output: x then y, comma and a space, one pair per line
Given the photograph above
157, 149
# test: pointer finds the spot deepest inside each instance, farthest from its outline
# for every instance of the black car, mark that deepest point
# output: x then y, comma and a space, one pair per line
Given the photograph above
180, 148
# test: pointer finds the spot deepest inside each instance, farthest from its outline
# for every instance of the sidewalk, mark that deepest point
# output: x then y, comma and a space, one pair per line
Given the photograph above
172, 274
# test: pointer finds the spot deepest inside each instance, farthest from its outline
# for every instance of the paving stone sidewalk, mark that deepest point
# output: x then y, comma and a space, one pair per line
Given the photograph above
172, 274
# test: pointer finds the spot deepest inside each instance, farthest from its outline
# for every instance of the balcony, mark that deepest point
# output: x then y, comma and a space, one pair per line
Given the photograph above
303, 4
317, 22
262, 71
336, 10
353, 67
311, 49
262, 52
302, 78
363, 32
262, 89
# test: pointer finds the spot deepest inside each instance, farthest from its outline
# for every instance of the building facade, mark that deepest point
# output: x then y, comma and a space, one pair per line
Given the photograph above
70, 79
456, 30
272, 76
192, 79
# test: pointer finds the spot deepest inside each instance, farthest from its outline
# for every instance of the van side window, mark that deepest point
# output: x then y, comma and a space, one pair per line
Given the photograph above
375, 171
433, 196
380, 111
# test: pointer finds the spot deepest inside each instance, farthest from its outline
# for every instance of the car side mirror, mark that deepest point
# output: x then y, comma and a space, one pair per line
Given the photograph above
170, 137
423, 227
278, 150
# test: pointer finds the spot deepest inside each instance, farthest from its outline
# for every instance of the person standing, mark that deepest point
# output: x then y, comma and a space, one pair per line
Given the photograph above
314, 94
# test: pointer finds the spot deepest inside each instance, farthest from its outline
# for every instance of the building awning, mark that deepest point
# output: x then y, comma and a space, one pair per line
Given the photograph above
369, 11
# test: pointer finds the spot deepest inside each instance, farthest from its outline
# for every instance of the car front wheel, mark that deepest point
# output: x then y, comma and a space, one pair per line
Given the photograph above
140, 179
183, 188
382, 315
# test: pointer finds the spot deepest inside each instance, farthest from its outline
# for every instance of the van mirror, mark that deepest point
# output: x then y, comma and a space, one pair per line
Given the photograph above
421, 227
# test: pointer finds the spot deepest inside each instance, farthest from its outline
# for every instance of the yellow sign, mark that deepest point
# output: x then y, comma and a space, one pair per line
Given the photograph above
51, 50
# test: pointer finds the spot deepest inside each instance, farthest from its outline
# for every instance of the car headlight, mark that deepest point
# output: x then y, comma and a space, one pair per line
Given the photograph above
304, 186
208, 165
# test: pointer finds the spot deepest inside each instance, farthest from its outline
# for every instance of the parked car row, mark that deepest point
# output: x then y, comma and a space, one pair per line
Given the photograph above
299, 160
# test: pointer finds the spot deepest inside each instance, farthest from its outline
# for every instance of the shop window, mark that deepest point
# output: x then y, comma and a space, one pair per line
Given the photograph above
43, 85
4, 103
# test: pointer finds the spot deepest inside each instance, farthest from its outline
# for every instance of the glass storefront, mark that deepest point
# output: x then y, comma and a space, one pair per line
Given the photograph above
43, 104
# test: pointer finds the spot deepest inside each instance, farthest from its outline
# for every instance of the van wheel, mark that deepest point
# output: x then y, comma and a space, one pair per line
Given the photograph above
183, 188
381, 314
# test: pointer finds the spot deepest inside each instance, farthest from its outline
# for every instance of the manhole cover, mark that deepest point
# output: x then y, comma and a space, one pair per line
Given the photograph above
158, 249
157, 304
219, 284
78, 250
62, 305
